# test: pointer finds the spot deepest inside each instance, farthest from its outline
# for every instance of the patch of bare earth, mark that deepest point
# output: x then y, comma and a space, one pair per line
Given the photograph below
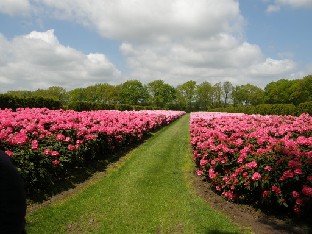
247, 216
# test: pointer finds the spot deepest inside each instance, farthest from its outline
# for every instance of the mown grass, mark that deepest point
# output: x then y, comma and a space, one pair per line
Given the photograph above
149, 191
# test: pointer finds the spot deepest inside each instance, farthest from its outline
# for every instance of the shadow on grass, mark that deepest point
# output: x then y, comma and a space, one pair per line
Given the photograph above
220, 232
81, 174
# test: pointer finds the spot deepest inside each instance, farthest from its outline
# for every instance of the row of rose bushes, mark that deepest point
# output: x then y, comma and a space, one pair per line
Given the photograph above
254, 159
46, 145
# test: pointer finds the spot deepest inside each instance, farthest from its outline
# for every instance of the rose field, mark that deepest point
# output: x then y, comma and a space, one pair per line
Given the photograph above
110, 171
46, 144
253, 159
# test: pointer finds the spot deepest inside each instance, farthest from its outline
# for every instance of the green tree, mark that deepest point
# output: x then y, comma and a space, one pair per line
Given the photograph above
20, 93
54, 92
133, 92
204, 96
161, 95
301, 90
78, 94
248, 95
278, 92
227, 90
186, 94
217, 94
105, 93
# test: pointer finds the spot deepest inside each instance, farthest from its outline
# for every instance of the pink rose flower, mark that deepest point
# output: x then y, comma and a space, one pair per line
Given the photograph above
10, 153
297, 210
268, 168
34, 145
46, 151
306, 190
256, 176
295, 194
71, 147
276, 189
54, 153
265, 194
56, 162
298, 171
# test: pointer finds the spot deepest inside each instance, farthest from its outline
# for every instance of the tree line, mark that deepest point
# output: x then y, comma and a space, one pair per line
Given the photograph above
188, 96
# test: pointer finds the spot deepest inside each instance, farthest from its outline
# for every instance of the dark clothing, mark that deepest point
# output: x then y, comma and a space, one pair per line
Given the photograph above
12, 198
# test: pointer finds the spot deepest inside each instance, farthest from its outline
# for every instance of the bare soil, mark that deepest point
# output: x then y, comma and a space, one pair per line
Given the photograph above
247, 216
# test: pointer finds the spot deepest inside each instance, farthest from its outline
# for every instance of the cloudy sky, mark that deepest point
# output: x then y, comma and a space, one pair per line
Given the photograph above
78, 43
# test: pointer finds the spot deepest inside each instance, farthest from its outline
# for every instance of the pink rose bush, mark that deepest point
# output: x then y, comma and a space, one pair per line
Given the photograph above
46, 144
262, 160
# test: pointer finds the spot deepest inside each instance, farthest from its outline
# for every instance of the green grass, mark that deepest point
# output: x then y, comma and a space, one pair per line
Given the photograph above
149, 191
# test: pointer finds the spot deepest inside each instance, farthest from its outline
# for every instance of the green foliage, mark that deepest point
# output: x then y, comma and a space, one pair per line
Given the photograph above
204, 96
248, 95
9, 101
88, 106
55, 92
265, 109
105, 93
133, 92
278, 92
227, 89
276, 109
289, 91
305, 107
186, 94
217, 94
161, 95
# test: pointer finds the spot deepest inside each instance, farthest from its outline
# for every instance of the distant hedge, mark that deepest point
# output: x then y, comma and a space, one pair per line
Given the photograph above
305, 107
88, 106
9, 101
269, 109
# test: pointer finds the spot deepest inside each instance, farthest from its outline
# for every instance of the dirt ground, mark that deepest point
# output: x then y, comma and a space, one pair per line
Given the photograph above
246, 216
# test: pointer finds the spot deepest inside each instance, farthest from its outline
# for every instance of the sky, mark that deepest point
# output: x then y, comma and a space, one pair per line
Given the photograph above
75, 44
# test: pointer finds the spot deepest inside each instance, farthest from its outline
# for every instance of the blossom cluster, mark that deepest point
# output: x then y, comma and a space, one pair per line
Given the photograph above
265, 160
42, 142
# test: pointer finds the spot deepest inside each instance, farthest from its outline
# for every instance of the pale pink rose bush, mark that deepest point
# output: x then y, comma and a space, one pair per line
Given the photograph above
262, 160
46, 144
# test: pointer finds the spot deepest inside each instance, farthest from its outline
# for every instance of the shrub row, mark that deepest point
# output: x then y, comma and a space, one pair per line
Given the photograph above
12, 102
258, 160
269, 109
88, 106
48, 145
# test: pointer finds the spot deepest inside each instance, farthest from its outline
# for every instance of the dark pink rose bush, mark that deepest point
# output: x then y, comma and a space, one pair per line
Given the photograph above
262, 160
46, 144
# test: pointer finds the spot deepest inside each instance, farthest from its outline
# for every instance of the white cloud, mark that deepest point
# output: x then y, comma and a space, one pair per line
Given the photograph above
292, 3
177, 63
273, 8
14, 7
38, 60
157, 20
295, 3
273, 67
309, 69
175, 40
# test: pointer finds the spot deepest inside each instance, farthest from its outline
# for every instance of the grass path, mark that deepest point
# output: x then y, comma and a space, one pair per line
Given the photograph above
149, 191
